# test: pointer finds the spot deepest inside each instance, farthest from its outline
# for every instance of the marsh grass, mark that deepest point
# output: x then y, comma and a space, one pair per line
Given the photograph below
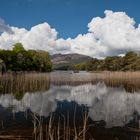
31, 82
61, 131
25, 82
128, 80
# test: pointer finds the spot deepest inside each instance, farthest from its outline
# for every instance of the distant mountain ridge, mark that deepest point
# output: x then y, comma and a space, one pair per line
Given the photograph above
65, 61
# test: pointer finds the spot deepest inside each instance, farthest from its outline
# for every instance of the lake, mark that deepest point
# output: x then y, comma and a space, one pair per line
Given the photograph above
67, 105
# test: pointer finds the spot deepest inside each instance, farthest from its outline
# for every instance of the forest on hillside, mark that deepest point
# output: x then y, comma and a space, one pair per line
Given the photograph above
129, 62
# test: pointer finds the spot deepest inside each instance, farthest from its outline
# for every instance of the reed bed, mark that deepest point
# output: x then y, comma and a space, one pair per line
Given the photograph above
61, 131
91, 76
129, 80
31, 82
25, 82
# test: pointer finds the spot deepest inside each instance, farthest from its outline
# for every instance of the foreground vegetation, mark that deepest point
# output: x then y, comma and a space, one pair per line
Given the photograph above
19, 59
130, 62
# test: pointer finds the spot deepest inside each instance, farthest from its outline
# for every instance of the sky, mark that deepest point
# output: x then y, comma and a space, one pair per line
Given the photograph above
97, 28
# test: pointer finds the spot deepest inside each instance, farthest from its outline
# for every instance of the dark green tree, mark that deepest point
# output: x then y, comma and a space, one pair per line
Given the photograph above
18, 47
19, 59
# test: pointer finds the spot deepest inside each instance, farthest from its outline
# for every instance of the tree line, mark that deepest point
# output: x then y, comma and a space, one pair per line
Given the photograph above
129, 62
19, 59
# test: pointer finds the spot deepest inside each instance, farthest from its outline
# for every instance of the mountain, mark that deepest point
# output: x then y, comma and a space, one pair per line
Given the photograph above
66, 61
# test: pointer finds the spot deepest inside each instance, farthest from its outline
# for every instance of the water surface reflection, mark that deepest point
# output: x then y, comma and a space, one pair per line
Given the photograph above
113, 105
107, 105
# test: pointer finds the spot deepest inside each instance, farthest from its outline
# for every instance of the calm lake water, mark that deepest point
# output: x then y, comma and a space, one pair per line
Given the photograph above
112, 105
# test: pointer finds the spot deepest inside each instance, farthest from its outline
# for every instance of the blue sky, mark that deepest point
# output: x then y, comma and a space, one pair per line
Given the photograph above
68, 17
97, 28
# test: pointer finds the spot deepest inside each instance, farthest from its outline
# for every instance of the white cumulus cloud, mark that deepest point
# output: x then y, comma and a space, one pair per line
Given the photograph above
116, 32
113, 34
4, 27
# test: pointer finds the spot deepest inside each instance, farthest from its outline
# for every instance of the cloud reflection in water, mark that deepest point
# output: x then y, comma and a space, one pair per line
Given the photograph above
105, 103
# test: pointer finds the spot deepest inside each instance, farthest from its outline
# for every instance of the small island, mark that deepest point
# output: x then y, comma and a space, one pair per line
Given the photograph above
19, 59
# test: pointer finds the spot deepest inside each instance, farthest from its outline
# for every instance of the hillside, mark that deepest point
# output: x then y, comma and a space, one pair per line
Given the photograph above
65, 61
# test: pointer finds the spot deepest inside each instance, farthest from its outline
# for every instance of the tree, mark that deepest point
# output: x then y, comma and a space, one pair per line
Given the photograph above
129, 59
80, 66
113, 63
44, 61
19, 59
18, 47
130, 62
40, 60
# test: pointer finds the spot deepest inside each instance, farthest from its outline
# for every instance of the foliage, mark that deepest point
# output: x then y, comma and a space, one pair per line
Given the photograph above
18, 47
81, 66
19, 59
130, 62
